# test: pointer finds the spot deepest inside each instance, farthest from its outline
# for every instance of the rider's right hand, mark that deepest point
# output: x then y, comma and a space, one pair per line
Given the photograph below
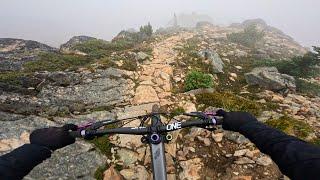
234, 120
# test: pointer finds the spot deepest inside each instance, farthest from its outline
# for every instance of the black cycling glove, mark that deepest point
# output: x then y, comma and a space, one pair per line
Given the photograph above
234, 120
53, 137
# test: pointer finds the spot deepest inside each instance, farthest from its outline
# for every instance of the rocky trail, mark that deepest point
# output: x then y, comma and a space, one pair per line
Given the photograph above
126, 81
197, 154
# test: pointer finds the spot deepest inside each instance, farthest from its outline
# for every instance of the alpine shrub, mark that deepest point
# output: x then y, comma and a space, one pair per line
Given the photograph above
196, 80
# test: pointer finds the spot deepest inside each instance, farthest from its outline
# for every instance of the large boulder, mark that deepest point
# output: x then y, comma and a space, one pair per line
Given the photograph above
270, 78
105, 88
215, 60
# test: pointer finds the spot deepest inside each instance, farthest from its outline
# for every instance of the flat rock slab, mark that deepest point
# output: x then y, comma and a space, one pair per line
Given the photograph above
76, 161
145, 94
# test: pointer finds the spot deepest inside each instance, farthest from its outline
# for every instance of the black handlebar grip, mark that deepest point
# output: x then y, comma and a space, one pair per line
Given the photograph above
219, 120
75, 134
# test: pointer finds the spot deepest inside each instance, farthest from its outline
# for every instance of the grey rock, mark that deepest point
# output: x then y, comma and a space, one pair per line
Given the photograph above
236, 137
244, 160
15, 52
264, 161
128, 157
14, 128
4, 116
270, 78
140, 56
66, 47
63, 78
76, 161
8, 65
101, 92
200, 91
215, 60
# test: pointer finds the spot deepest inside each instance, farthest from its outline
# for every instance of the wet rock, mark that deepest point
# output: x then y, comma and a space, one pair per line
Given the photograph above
270, 78
215, 60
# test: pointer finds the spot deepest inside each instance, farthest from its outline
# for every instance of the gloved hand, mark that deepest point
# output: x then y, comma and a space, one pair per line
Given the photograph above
53, 137
234, 120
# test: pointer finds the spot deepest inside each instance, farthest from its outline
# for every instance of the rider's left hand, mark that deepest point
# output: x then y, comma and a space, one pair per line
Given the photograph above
53, 137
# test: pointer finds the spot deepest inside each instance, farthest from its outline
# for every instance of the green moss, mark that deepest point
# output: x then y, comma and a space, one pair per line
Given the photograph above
308, 88
99, 48
291, 126
118, 167
196, 80
103, 144
130, 65
230, 101
12, 77
99, 172
56, 62
249, 37
176, 111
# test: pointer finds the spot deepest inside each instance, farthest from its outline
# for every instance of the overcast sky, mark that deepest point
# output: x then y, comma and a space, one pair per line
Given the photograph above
54, 22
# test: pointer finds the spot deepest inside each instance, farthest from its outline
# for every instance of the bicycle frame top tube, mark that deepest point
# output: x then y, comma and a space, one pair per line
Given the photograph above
157, 151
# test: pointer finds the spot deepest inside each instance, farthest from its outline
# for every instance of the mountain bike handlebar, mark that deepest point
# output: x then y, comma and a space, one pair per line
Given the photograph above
155, 134
202, 121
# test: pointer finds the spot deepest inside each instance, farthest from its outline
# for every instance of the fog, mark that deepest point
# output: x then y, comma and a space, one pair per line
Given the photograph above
54, 22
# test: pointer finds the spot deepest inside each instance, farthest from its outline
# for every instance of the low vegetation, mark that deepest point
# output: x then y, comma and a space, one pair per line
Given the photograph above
291, 126
12, 77
103, 144
145, 34
299, 66
56, 62
196, 79
99, 48
232, 102
249, 37
309, 88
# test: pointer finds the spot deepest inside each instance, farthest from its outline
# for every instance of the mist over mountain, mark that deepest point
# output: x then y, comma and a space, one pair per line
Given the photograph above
54, 22
79, 62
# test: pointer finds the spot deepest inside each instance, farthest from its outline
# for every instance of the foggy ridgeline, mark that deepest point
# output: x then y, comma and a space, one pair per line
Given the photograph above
249, 66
